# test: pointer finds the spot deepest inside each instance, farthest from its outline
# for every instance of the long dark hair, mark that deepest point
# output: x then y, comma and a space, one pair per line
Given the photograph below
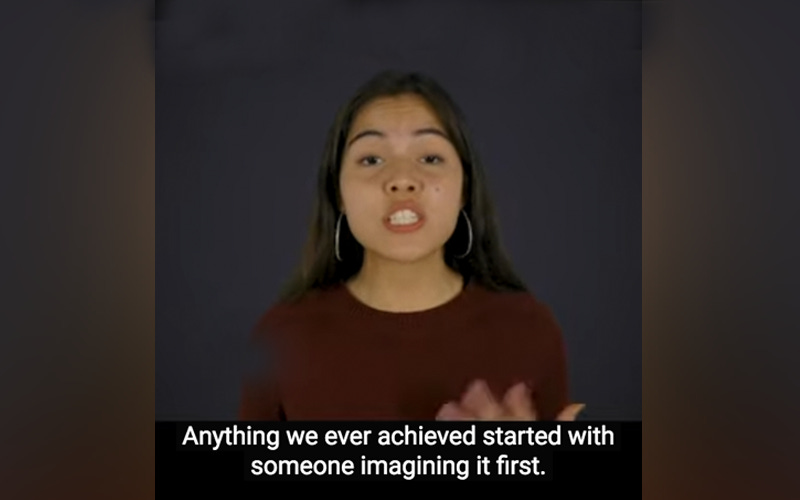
486, 264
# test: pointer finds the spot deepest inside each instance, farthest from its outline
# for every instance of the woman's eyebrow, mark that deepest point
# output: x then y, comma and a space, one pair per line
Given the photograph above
378, 133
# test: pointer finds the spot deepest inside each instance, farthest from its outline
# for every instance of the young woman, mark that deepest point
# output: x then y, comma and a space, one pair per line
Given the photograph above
405, 307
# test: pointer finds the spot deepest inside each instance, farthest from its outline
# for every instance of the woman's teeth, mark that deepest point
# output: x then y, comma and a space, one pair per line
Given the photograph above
403, 218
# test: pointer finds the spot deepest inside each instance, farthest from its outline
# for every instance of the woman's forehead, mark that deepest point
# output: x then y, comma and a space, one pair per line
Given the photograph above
396, 114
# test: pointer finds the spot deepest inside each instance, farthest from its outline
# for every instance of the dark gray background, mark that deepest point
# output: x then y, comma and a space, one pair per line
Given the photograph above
245, 93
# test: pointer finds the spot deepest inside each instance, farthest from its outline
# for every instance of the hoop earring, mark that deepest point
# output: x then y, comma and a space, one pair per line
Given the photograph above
336, 238
469, 229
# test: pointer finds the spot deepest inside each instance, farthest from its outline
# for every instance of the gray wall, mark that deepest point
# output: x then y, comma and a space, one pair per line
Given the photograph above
245, 92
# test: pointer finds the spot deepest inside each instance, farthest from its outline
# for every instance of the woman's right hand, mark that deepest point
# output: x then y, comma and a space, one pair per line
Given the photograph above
478, 403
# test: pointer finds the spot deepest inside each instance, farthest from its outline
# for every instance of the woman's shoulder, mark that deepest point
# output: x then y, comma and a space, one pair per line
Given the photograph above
511, 301
513, 306
309, 307
518, 320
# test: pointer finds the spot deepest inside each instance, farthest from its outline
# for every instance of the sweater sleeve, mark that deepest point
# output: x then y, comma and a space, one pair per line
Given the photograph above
260, 396
260, 400
551, 394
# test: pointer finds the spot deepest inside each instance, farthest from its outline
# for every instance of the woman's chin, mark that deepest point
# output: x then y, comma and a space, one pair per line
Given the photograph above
407, 255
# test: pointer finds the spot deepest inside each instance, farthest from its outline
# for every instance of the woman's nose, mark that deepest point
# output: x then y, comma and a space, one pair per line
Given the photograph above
403, 180
401, 185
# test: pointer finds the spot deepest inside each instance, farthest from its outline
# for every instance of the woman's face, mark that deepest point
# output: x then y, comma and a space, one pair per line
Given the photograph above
401, 180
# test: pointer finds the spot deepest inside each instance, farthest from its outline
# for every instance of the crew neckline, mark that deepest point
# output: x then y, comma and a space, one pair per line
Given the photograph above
355, 305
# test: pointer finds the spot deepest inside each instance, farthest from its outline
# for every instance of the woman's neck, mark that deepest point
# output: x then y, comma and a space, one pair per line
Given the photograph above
405, 287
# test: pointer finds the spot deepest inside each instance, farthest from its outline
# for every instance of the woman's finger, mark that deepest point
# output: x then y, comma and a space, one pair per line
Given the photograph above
451, 412
518, 403
570, 413
480, 402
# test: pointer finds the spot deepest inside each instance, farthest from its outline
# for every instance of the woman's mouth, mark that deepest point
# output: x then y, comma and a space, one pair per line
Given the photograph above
404, 220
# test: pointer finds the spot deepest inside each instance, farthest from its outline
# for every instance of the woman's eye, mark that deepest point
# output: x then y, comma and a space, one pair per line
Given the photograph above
370, 160
432, 159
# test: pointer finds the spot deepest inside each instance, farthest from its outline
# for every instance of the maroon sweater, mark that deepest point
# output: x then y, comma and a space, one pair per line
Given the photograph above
339, 359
